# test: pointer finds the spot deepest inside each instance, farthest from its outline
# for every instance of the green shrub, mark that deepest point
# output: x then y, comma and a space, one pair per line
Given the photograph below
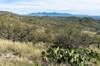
73, 57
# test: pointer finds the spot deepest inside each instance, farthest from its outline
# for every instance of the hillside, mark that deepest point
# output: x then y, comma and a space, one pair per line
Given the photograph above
30, 36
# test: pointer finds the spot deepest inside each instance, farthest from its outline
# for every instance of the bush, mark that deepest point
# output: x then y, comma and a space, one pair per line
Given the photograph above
73, 57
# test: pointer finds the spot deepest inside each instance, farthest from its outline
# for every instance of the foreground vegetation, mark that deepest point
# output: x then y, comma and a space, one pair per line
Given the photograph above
48, 41
70, 56
27, 54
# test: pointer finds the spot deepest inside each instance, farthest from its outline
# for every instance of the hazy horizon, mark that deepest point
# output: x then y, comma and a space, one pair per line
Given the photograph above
84, 7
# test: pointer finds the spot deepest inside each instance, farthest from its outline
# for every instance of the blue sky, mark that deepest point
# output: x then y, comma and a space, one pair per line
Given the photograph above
90, 7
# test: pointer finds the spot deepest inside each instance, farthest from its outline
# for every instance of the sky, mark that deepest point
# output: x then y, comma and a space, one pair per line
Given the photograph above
85, 7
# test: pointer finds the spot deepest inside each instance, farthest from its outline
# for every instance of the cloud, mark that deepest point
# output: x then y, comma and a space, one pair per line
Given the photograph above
75, 6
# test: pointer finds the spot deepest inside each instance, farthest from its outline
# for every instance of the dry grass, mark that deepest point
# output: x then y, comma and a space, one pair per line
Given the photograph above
97, 50
20, 54
89, 32
94, 48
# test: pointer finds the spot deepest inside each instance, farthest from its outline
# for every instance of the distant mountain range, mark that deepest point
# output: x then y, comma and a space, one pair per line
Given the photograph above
50, 14
53, 14
61, 14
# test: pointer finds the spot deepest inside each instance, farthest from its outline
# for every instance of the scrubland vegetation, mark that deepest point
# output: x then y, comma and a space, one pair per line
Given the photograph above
49, 41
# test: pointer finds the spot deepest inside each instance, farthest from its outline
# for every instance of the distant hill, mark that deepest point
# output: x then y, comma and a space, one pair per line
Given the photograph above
7, 12
50, 14
61, 14
96, 17
54, 20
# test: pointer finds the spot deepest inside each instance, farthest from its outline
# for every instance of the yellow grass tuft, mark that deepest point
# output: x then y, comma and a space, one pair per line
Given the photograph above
89, 32
20, 54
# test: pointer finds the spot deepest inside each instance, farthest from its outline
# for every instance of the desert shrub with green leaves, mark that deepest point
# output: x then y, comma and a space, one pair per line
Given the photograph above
68, 56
